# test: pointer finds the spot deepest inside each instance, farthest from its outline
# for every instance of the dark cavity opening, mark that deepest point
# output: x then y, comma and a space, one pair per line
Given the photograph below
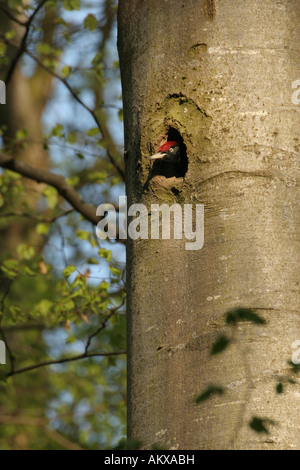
168, 169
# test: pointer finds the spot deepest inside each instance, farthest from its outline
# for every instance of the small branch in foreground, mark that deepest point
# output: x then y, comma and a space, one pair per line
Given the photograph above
36, 218
24, 327
64, 360
92, 112
86, 107
22, 47
103, 325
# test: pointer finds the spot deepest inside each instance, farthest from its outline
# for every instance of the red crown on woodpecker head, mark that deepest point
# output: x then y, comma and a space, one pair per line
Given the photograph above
165, 147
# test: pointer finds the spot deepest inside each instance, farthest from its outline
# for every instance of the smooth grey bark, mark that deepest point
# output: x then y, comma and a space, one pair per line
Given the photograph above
220, 73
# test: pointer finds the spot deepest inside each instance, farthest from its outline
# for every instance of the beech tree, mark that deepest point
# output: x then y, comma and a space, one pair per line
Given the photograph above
210, 331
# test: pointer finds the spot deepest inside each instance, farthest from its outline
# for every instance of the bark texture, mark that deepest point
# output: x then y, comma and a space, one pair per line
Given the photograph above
220, 73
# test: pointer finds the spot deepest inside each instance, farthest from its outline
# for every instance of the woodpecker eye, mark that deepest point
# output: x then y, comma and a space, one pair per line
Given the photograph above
171, 149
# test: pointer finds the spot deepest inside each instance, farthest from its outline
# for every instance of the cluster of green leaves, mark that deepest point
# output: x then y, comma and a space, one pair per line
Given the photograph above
11, 190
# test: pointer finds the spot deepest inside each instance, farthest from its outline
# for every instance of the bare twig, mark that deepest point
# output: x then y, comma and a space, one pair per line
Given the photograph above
92, 112
22, 47
24, 327
67, 359
36, 218
85, 106
103, 325
63, 247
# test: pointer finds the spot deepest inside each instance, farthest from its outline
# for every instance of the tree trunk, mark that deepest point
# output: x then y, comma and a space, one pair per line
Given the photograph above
219, 74
26, 99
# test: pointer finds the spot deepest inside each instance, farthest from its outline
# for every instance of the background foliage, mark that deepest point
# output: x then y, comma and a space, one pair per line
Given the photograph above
61, 288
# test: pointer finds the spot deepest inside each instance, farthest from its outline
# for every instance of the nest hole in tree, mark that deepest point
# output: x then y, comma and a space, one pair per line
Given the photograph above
166, 169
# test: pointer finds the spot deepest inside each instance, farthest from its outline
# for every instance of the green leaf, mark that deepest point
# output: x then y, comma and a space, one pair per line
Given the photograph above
220, 345
51, 195
80, 155
43, 307
82, 234
244, 314
105, 254
43, 229
279, 388
25, 251
93, 132
58, 20
115, 271
73, 181
209, 392
120, 114
50, 64
71, 339
9, 35
1, 200
98, 177
104, 286
10, 267
90, 22
68, 271
72, 138
43, 48
68, 306
15, 311
57, 131
97, 59
66, 71
21, 134
93, 242
71, 5
25, 270
92, 260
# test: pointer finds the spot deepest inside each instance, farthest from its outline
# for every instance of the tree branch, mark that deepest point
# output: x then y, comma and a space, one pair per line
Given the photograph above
64, 360
101, 128
22, 47
56, 181
103, 325
36, 218
12, 17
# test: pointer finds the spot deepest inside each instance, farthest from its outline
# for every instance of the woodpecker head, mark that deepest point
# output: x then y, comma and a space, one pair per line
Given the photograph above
168, 152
